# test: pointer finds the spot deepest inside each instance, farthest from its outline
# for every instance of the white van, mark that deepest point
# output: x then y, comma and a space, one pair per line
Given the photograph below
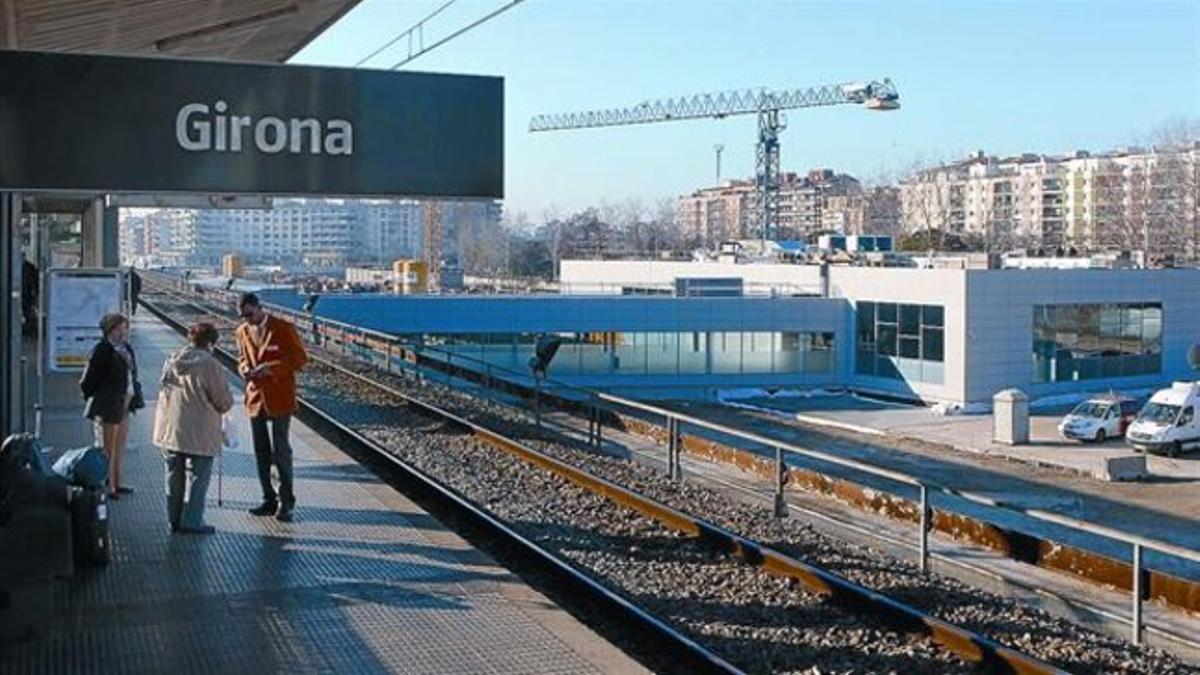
1168, 423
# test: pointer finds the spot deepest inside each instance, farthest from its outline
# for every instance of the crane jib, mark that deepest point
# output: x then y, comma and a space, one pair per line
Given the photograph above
874, 95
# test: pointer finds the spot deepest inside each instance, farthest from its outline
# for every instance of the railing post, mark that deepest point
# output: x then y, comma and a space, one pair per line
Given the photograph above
599, 426
1137, 594
591, 411
670, 446
781, 510
925, 525
537, 401
388, 356
673, 467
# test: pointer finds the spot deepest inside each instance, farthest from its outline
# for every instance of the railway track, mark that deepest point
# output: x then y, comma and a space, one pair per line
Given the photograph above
849, 609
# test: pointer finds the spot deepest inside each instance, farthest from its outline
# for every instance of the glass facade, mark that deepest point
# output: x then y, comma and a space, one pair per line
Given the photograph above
1087, 342
900, 341
621, 353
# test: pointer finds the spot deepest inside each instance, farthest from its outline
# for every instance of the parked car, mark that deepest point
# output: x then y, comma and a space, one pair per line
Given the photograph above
1168, 423
1099, 419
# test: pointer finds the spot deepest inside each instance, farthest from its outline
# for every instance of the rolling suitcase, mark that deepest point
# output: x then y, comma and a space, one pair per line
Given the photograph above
89, 527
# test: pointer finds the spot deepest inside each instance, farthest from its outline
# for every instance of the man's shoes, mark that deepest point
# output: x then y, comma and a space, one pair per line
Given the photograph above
284, 514
125, 490
203, 529
264, 509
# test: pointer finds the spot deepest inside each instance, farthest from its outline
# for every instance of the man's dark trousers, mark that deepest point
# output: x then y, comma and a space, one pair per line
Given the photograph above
272, 447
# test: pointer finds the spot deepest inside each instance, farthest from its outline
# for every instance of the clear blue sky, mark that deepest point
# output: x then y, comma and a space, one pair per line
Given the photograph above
1007, 77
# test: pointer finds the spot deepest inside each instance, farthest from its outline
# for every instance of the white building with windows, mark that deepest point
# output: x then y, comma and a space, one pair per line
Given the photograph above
949, 335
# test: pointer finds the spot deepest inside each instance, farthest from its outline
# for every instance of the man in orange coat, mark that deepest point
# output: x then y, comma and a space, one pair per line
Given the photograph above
269, 355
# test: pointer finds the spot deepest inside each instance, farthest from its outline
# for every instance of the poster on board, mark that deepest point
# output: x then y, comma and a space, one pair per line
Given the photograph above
77, 299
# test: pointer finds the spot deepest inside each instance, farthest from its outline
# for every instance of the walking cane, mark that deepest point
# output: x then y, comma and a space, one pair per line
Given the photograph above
219, 473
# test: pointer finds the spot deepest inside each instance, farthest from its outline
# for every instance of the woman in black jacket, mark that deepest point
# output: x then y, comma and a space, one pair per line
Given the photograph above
110, 385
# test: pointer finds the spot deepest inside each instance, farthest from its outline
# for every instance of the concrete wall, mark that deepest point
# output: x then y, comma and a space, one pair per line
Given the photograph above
1000, 323
608, 276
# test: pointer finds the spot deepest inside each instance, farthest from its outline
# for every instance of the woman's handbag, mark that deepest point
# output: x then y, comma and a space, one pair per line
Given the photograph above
137, 402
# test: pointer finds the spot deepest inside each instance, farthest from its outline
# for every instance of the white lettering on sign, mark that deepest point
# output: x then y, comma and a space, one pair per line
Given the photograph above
201, 129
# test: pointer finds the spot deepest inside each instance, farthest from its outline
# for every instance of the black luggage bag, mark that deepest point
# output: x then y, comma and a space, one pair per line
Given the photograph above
89, 527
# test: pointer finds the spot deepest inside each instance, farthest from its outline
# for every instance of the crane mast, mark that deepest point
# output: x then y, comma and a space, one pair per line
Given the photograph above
767, 105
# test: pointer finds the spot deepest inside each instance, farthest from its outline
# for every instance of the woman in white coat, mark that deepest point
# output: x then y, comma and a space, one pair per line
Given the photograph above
192, 397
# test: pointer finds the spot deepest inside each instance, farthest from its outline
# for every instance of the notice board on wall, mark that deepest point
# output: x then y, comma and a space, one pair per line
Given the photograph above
76, 301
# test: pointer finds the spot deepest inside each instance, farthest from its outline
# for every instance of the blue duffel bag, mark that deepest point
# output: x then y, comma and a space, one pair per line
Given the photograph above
85, 467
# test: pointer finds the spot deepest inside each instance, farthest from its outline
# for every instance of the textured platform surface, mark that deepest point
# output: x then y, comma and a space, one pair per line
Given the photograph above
363, 581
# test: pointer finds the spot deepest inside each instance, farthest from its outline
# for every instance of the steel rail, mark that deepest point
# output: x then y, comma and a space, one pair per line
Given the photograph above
908, 479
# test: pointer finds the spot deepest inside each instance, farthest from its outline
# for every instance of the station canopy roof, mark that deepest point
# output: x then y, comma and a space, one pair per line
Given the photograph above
236, 30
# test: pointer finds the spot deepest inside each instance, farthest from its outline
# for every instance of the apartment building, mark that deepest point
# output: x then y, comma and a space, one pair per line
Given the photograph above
807, 204
710, 215
1128, 199
313, 234
872, 211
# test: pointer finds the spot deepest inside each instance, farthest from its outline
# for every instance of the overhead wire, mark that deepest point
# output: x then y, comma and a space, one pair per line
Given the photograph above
409, 31
491, 15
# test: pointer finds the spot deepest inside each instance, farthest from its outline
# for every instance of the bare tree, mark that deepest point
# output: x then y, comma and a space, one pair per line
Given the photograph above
926, 201
882, 206
1173, 189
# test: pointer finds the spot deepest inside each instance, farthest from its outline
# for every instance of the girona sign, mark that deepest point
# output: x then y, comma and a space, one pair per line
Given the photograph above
199, 128
124, 124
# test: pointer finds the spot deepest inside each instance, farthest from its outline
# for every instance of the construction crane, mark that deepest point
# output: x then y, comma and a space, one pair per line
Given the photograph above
768, 105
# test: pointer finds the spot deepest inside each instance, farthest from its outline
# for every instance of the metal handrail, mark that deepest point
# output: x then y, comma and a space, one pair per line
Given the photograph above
900, 477
1136, 542
753, 437
298, 316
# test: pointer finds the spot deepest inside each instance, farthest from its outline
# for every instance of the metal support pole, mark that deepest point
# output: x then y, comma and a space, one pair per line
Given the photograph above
1137, 594
592, 425
670, 446
781, 510
24, 394
599, 428
388, 356
925, 525
537, 401
10, 312
673, 442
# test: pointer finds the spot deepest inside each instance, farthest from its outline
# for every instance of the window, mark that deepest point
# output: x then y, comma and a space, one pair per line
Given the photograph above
1185, 417
650, 354
899, 341
1088, 342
